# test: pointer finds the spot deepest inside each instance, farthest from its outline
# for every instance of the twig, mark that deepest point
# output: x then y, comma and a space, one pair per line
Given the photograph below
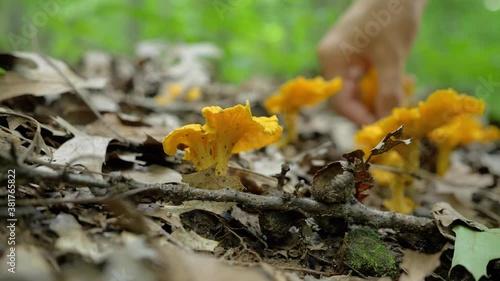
92, 200
285, 168
487, 213
420, 175
242, 242
352, 211
357, 271
301, 155
307, 270
342, 252
399, 171
369, 157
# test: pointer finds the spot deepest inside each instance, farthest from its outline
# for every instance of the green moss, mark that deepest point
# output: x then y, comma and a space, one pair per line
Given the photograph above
368, 255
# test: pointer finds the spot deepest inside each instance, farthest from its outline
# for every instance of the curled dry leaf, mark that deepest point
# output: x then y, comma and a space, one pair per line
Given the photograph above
249, 220
333, 184
446, 216
389, 141
362, 178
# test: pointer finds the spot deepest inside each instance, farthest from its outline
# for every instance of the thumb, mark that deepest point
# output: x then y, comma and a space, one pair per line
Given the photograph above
390, 88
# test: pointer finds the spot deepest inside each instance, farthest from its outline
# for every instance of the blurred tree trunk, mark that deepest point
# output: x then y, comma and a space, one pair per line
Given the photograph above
133, 25
14, 11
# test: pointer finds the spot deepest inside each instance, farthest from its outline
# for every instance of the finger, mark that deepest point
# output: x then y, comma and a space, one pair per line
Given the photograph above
335, 61
390, 87
346, 104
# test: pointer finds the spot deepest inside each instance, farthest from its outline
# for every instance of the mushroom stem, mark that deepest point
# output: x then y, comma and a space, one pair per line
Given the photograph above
223, 155
291, 127
399, 202
443, 159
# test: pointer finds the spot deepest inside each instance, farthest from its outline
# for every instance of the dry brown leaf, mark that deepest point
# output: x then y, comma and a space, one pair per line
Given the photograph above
248, 220
72, 239
347, 278
82, 150
125, 263
171, 213
65, 125
157, 211
29, 73
207, 179
419, 265
390, 140
133, 133
209, 206
37, 144
31, 265
462, 182
153, 174
180, 265
194, 241
103, 103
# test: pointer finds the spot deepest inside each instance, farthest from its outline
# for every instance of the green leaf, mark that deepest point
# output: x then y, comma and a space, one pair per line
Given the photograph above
474, 249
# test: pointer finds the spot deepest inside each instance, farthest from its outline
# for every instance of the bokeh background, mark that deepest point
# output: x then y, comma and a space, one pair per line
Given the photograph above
458, 45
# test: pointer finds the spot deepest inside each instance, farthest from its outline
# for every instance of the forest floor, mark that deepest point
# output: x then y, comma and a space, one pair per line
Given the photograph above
91, 194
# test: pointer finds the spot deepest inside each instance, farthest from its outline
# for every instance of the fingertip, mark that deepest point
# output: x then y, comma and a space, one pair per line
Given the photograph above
390, 89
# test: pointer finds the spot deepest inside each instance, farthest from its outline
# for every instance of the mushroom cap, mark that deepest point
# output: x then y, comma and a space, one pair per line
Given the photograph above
443, 106
226, 131
440, 108
237, 127
194, 141
301, 92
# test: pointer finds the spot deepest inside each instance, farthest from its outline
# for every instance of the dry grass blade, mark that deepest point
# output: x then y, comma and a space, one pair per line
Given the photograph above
37, 144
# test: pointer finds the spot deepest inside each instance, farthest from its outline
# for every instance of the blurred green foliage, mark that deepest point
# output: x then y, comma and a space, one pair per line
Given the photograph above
457, 45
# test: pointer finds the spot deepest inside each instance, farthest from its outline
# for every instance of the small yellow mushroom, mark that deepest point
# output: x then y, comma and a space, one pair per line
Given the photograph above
439, 109
226, 131
396, 182
432, 118
193, 94
169, 94
296, 94
462, 130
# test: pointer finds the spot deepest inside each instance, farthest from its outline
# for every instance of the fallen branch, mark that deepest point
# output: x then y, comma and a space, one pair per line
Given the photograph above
353, 211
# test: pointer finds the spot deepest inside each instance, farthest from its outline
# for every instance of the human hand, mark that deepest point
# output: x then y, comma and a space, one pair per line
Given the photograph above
371, 33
